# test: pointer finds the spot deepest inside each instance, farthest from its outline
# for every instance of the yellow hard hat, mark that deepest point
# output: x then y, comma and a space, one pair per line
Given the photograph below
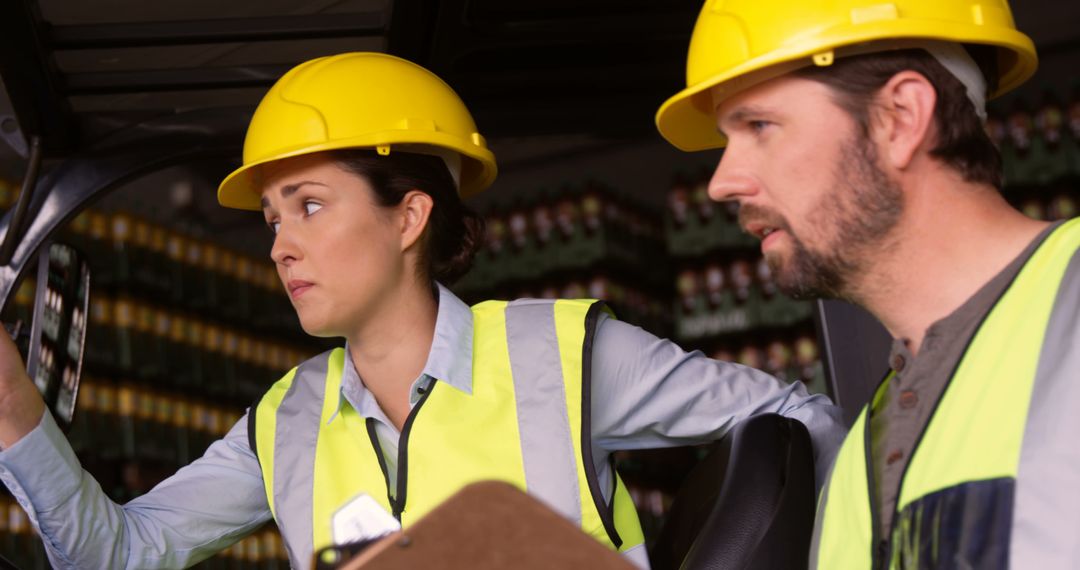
359, 100
736, 43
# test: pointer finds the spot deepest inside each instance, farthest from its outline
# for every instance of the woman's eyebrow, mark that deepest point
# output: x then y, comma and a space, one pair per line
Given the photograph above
290, 189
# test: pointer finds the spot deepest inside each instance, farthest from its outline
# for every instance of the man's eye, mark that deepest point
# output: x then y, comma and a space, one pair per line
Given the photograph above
274, 226
312, 207
758, 126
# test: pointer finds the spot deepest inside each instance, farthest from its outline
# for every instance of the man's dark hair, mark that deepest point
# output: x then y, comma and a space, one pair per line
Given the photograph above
962, 142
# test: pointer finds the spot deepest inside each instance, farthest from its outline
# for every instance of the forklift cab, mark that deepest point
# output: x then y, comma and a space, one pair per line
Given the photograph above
90, 110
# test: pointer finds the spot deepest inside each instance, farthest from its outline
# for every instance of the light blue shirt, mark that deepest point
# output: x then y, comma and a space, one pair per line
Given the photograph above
647, 393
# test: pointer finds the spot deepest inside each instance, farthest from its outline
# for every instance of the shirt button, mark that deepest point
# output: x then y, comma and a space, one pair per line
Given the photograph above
897, 363
908, 399
894, 456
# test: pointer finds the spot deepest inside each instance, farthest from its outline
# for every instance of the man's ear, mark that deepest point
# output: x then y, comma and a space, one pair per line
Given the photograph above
414, 212
904, 118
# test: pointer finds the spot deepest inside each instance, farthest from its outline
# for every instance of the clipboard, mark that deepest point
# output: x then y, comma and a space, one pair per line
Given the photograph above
484, 526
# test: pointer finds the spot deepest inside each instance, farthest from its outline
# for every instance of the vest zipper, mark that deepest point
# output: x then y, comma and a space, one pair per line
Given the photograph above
379, 455
397, 504
403, 455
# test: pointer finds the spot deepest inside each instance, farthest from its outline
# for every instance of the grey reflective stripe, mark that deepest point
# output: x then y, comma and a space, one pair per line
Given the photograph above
819, 519
294, 457
1046, 521
546, 445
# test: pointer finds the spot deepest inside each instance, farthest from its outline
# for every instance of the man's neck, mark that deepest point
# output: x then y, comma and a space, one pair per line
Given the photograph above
952, 239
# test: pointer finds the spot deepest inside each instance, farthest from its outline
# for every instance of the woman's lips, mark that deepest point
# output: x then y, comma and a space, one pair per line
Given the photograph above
298, 287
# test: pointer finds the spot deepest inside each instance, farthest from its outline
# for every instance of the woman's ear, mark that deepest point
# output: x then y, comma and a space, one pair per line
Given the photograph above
414, 211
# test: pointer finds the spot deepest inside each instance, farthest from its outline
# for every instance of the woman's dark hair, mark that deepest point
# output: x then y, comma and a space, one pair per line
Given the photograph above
962, 141
454, 232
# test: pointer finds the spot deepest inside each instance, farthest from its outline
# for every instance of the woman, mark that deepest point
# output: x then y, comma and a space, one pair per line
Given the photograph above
358, 162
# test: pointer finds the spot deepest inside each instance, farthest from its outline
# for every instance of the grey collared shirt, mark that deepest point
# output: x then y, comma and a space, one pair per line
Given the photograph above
911, 396
647, 392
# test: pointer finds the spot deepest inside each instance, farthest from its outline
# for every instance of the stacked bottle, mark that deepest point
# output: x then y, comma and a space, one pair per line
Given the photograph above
582, 240
1040, 150
19, 543
694, 224
731, 292
181, 351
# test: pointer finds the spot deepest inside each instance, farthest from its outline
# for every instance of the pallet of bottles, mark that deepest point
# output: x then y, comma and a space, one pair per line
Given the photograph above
1039, 143
176, 350
179, 350
132, 256
788, 353
575, 229
730, 291
694, 224
631, 302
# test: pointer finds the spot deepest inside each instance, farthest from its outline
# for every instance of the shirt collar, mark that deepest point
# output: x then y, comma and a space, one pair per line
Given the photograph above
451, 356
449, 361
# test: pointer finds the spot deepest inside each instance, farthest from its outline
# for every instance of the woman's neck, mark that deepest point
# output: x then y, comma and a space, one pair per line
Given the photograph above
391, 349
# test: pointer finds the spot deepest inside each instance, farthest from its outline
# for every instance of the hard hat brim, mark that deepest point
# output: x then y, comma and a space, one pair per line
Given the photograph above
687, 120
478, 172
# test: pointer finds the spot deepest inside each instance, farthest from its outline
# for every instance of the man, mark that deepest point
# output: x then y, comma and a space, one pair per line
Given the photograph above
855, 148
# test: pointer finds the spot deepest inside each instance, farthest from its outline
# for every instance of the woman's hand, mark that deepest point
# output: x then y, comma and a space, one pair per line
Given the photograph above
21, 405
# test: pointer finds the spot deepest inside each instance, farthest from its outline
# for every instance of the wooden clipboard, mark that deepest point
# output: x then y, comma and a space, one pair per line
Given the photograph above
487, 525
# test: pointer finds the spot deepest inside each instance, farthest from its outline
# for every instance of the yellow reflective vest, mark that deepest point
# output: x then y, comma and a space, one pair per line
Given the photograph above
991, 481
525, 422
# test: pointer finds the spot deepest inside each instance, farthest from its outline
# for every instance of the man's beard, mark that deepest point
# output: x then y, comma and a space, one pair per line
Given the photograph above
857, 216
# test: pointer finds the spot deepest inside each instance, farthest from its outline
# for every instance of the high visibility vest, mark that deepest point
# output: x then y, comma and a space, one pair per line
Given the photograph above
526, 422
991, 480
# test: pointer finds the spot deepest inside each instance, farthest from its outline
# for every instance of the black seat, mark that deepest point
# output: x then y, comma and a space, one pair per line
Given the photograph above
749, 504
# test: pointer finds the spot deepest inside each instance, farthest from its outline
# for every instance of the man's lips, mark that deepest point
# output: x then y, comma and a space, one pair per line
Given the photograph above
770, 239
761, 230
767, 232
298, 287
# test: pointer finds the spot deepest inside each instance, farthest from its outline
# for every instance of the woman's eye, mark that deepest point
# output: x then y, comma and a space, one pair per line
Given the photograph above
758, 126
273, 226
312, 207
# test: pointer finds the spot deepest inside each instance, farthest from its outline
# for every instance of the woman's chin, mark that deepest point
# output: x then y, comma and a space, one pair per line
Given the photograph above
318, 328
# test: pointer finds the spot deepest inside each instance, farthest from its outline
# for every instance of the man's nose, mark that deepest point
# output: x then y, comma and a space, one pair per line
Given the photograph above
731, 181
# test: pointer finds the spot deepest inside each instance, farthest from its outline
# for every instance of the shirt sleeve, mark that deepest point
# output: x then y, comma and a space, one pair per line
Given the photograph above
648, 392
203, 508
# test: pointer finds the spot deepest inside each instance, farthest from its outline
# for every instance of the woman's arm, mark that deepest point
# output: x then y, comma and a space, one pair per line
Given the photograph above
648, 392
203, 508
